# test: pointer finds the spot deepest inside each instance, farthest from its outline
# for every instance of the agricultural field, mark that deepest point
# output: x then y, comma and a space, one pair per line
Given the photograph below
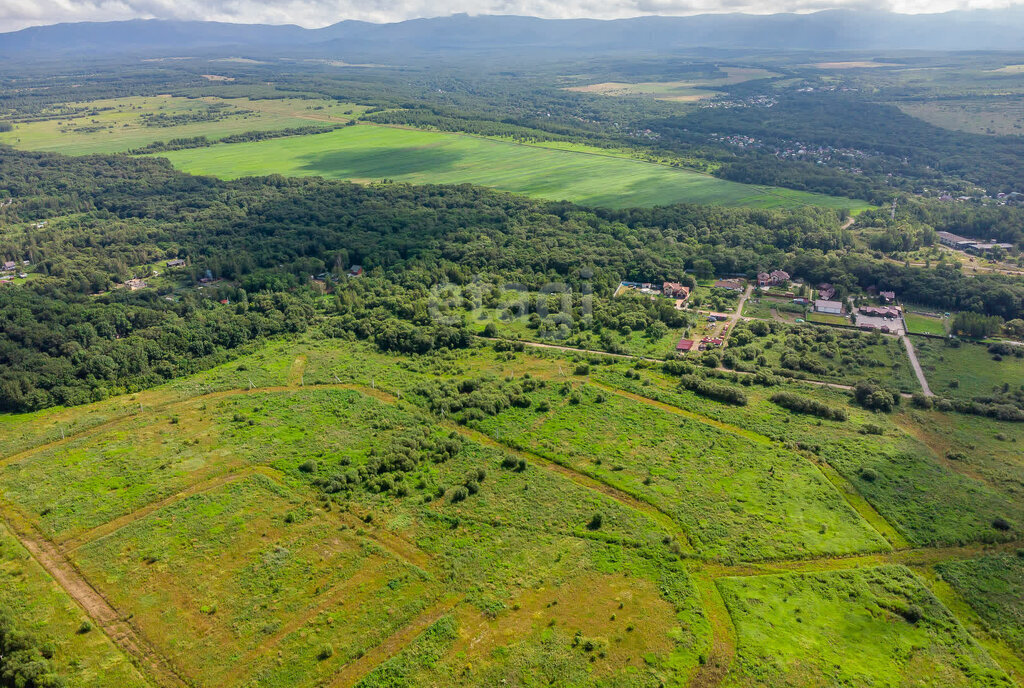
122, 124
874, 626
983, 116
368, 153
969, 370
676, 91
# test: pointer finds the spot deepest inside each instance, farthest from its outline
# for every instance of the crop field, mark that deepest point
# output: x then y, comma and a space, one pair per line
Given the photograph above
877, 627
122, 124
282, 553
367, 153
967, 371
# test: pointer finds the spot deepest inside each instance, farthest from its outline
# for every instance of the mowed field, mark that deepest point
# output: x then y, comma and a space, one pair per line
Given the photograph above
120, 124
318, 513
677, 91
367, 153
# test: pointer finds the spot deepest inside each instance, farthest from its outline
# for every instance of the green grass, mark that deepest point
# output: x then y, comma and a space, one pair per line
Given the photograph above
994, 587
827, 319
966, 371
43, 608
716, 483
369, 153
849, 628
116, 125
924, 324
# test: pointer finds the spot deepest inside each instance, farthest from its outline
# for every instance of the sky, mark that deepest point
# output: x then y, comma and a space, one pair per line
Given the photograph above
18, 14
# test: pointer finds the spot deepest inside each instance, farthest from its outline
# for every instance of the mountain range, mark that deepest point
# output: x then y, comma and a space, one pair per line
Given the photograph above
459, 34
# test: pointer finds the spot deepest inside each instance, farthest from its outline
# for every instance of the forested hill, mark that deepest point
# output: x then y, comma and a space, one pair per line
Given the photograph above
68, 336
460, 34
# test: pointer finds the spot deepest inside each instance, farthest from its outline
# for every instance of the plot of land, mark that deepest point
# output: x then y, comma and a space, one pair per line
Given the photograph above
967, 371
122, 124
869, 627
371, 153
994, 587
679, 91
984, 116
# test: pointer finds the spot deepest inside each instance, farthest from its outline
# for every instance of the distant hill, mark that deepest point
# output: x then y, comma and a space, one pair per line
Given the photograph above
827, 30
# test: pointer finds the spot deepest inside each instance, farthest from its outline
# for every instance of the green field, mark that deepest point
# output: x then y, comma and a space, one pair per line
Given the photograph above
925, 324
967, 371
261, 524
869, 627
371, 153
994, 587
119, 124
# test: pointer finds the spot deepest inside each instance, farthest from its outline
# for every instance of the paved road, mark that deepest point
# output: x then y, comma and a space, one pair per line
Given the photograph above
912, 355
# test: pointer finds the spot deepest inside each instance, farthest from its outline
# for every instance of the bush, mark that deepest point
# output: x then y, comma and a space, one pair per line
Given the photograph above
868, 474
308, 466
873, 396
1001, 523
596, 521
459, 494
912, 613
326, 652
581, 369
698, 385
799, 404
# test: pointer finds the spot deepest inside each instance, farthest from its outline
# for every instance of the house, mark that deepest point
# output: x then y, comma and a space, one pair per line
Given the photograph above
710, 343
675, 290
826, 291
772, 279
9, 266
880, 311
829, 307
731, 285
176, 263
887, 296
982, 247
684, 346
355, 271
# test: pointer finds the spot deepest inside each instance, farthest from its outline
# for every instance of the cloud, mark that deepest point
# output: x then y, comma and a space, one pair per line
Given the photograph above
17, 14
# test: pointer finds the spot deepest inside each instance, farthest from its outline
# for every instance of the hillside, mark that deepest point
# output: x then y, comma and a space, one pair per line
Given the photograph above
826, 30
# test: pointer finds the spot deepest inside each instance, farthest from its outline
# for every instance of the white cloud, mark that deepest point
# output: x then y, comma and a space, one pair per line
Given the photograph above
17, 14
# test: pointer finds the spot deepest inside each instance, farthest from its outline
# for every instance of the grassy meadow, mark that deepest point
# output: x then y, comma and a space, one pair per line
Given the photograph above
368, 153
867, 627
246, 508
967, 371
120, 124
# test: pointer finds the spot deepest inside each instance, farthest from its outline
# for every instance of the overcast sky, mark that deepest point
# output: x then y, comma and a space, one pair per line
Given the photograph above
17, 14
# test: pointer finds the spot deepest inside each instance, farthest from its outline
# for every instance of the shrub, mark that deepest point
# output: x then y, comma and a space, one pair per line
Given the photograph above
868, 474
1001, 523
581, 369
326, 652
873, 396
85, 627
912, 613
459, 494
799, 404
723, 393
308, 466
596, 521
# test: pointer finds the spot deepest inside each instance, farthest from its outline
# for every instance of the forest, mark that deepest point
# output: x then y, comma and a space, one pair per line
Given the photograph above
73, 337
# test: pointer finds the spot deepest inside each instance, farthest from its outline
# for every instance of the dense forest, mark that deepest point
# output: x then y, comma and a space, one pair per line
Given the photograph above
69, 337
